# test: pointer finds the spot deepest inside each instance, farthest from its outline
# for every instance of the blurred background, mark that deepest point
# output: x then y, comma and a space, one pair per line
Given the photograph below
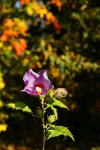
63, 38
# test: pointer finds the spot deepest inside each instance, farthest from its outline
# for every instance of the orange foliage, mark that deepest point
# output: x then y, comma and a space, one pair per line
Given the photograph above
57, 26
20, 26
35, 7
41, 9
50, 17
13, 28
4, 38
57, 3
8, 23
16, 26
19, 46
23, 2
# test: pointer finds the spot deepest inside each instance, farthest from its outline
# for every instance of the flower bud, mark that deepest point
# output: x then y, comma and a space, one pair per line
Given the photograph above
60, 92
50, 93
51, 119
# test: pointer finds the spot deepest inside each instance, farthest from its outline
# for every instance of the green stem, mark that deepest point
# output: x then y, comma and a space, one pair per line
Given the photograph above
36, 116
43, 124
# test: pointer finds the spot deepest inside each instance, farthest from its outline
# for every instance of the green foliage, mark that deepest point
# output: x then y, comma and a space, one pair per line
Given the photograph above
55, 131
55, 102
54, 112
19, 106
53, 109
52, 130
39, 112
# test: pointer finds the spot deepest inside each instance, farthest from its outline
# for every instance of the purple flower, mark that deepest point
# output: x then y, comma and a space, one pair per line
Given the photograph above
36, 84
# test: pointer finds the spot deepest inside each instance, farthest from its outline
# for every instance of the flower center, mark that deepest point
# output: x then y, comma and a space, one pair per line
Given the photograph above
39, 88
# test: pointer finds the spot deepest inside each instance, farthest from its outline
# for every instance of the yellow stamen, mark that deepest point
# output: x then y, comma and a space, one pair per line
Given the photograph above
38, 90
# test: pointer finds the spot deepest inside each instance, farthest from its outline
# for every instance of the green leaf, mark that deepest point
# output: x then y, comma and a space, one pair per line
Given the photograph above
55, 112
20, 106
53, 109
55, 131
55, 102
39, 112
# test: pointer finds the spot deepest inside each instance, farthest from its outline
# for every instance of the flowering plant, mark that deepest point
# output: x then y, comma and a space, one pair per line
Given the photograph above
36, 84
39, 85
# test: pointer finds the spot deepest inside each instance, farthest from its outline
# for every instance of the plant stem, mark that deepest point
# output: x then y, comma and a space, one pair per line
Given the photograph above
43, 124
36, 116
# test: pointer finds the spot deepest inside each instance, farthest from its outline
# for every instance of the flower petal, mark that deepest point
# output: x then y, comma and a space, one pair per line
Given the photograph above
30, 77
43, 73
28, 90
43, 78
31, 91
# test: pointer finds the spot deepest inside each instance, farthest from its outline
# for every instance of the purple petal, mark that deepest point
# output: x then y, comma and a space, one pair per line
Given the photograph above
43, 73
43, 78
28, 90
30, 74
30, 77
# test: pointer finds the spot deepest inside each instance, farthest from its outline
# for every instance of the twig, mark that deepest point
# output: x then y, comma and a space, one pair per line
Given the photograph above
36, 116
43, 124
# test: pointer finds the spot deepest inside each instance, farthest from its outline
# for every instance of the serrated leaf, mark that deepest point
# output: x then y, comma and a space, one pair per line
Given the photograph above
55, 102
59, 130
53, 133
20, 106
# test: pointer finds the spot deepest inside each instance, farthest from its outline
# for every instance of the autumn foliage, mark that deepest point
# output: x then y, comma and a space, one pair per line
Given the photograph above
19, 46
13, 29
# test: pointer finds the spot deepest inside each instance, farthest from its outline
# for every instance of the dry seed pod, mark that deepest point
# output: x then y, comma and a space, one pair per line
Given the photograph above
60, 92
